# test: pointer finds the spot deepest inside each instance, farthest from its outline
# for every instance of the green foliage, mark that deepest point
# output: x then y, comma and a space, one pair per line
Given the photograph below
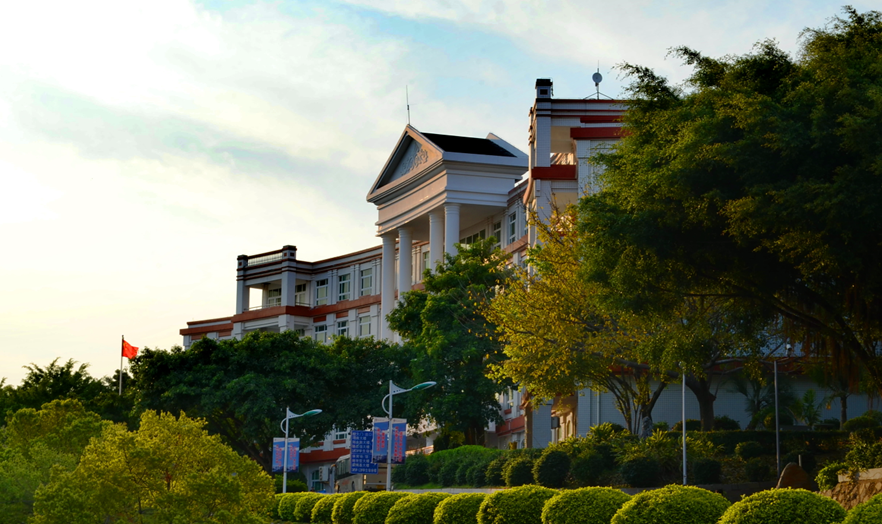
583, 506
476, 474
869, 512
373, 508
170, 468
862, 422
305, 505
641, 472
749, 450
661, 425
865, 452
416, 509
323, 509
589, 468
344, 507
494, 473
707, 471
518, 471
807, 409
238, 385
288, 505
691, 425
828, 477
672, 505
447, 473
417, 472
723, 423
809, 463
452, 340
274, 507
784, 505
520, 505
757, 470
551, 468
459, 509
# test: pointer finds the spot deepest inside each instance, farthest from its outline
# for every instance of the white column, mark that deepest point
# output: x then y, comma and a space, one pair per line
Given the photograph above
451, 228
388, 293
405, 260
436, 238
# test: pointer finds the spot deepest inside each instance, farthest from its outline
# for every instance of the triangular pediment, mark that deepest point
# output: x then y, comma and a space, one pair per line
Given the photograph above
412, 155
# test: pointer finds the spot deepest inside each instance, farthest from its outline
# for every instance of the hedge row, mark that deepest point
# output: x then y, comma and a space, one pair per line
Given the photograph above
533, 504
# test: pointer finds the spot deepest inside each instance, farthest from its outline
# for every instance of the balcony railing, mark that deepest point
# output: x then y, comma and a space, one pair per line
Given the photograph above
265, 259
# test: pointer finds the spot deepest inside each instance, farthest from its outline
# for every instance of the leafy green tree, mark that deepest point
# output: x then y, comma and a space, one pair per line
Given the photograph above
452, 342
169, 470
758, 181
241, 387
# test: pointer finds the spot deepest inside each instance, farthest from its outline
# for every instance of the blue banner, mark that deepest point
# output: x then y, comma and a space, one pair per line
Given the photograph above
360, 445
279, 454
399, 440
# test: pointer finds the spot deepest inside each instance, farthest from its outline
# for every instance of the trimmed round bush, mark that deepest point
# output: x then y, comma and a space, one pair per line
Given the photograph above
552, 468
288, 505
447, 474
583, 506
475, 476
828, 477
724, 423
416, 509
303, 510
373, 508
323, 510
757, 470
494, 471
861, 422
707, 471
673, 505
641, 472
462, 472
417, 472
399, 473
588, 469
869, 512
784, 505
691, 425
518, 472
520, 505
343, 512
459, 509
273, 511
749, 450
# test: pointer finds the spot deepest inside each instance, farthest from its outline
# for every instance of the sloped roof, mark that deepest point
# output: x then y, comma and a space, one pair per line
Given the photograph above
468, 145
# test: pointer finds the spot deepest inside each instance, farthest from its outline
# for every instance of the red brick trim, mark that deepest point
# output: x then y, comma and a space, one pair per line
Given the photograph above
558, 172
596, 132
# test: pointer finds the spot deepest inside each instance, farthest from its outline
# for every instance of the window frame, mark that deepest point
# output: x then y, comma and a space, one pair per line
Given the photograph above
368, 275
344, 286
322, 295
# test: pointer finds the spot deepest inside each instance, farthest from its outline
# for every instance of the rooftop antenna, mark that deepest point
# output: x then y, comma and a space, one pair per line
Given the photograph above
598, 78
407, 100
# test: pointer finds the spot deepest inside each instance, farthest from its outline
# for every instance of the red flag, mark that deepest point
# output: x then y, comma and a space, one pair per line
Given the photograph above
129, 351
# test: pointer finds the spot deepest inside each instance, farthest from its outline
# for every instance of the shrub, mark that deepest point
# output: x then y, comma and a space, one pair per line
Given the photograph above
475, 476
303, 510
724, 423
417, 472
828, 477
661, 426
462, 472
521, 505
784, 418
343, 512
869, 512
373, 508
494, 471
323, 510
459, 509
866, 450
672, 505
447, 474
551, 469
588, 469
518, 472
707, 471
808, 460
273, 511
288, 504
641, 472
691, 425
415, 509
399, 473
756, 470
784, 505
748, 450
583, 506
861, 422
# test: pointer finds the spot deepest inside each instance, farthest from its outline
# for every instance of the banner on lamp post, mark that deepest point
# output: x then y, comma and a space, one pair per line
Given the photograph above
399, 440
279, 454
360, 453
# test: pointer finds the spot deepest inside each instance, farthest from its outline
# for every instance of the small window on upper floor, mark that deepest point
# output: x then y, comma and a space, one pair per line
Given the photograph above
300, 295
425, 264
364, 326
471, 239
497, 233
343, 286
526, 222
342, 328
273, 297
321, 292
320, 333
512, 228
340, 434
367, 282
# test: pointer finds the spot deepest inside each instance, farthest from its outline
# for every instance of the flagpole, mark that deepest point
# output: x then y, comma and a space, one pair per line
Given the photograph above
122, 345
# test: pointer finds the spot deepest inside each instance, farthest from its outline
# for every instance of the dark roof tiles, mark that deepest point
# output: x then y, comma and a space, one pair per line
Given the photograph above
468, 145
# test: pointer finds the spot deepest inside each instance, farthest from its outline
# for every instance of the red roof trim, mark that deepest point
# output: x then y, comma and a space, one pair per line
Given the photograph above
596, 132
600, 119
558, 172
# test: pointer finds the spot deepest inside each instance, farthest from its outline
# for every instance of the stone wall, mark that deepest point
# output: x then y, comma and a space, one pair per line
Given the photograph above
851, 493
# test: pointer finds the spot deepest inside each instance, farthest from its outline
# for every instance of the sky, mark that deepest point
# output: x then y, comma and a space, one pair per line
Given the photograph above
145, 145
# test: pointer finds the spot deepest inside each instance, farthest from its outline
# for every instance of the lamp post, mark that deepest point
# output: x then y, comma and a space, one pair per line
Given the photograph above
284, 426
393, 390
683, 418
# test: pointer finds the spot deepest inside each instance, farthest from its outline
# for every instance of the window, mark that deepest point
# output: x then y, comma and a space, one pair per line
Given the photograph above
320, 333
471, 239
273, 297
426, 264
340, 434
367, 282
316, 480
343, 285
364, 326
512, 227
300, 295
497, 233
342, 328
526, 225
321, 292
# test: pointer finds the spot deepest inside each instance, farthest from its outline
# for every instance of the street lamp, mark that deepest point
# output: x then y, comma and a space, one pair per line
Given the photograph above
284, 426
393, 390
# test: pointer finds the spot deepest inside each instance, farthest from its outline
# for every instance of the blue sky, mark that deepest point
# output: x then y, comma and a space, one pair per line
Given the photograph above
143, 146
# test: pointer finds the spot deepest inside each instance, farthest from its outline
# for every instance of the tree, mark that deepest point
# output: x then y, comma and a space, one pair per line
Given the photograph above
758, 181
242, 387
169, 470
451, 340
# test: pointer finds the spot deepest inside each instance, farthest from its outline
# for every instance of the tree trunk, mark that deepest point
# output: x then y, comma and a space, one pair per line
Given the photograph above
843, 410
702, 391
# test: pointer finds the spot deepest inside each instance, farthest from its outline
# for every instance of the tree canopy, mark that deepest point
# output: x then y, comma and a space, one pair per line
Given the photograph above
759, 180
